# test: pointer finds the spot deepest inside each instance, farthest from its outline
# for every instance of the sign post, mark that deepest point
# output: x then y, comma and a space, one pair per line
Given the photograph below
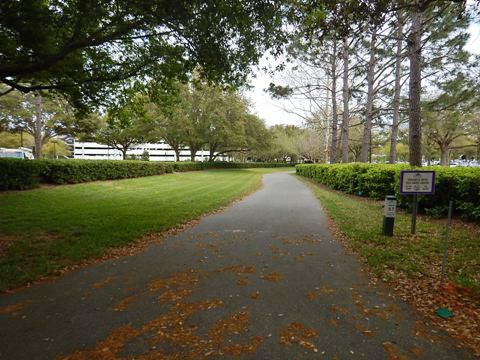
414, 214
389, 214
416, 182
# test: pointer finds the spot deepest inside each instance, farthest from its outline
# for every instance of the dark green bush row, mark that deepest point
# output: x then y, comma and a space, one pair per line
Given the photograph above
192, 166
462, 185
17, 174
78, 171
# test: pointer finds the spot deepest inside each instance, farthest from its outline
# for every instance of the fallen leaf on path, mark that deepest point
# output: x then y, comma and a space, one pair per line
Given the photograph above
243, 282
297, 333
125, 303
102, 283
274, 276
15, 308
255, 295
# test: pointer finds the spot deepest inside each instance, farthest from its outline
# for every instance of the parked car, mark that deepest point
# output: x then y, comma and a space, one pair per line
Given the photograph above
20, 153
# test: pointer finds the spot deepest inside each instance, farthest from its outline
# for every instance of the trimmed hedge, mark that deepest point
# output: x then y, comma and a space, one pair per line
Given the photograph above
193, 166
78, 171
377, 180
18, 174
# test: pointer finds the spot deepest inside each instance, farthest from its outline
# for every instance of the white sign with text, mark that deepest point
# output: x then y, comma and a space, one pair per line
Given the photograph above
417, 182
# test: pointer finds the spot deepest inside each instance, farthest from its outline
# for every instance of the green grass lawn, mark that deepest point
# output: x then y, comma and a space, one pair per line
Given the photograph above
47, 229
361, 221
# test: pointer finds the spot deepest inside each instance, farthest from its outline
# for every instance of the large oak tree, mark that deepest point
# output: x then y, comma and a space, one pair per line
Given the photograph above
85, 49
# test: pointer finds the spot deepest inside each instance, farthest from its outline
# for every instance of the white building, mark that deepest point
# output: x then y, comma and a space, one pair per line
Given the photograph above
157, 152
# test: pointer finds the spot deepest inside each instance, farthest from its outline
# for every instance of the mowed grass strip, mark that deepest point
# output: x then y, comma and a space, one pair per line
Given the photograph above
44, 230
360, 220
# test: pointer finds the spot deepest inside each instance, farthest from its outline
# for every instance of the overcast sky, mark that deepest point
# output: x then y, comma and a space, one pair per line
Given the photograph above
271, 110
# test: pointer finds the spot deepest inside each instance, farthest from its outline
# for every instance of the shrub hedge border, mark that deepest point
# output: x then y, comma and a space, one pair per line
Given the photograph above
18, 174
462, 185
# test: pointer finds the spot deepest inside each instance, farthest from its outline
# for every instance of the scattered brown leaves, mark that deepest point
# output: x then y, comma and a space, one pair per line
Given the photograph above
392, 352
174, 295
232, 325
273, 276
361, 329
384, 312
306, 239
339, 309
415, 350
239, 269
102, 283
279, 252
207, 246
244, 348
427, 295
109, 348
297, 333
333, 322
175, 328
125, 303
177, 280
420, 330
255, 295
243, 282
312, 295
15, 308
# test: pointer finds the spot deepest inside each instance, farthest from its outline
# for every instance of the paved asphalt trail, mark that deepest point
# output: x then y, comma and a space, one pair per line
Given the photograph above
262, 280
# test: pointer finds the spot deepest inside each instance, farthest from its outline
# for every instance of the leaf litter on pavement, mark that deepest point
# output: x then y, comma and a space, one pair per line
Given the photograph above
227, 336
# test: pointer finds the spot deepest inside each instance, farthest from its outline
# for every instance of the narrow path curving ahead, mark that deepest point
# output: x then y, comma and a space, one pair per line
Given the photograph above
262, 280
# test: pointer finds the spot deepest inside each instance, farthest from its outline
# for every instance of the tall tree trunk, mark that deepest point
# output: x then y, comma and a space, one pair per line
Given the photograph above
334, 145
177, 153
345, 94
327, 127
478, 151
367, 128
415, 87
124, 150
444, 149
396, 96
38, 127
193, 153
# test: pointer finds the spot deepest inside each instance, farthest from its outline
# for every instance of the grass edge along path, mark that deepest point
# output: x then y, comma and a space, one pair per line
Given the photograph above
48, 231
410, 264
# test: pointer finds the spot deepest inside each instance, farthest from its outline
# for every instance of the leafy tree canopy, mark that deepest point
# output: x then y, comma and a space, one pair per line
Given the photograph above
86, 49
128, 125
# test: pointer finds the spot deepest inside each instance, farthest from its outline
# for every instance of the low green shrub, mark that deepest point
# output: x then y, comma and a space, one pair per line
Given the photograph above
462, 185
17, 174
193, 166
78, 171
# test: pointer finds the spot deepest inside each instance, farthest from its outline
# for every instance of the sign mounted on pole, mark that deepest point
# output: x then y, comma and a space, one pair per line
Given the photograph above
416, 182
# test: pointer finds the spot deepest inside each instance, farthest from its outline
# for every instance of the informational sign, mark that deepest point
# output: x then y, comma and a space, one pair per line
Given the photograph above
389, 208
417, 182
